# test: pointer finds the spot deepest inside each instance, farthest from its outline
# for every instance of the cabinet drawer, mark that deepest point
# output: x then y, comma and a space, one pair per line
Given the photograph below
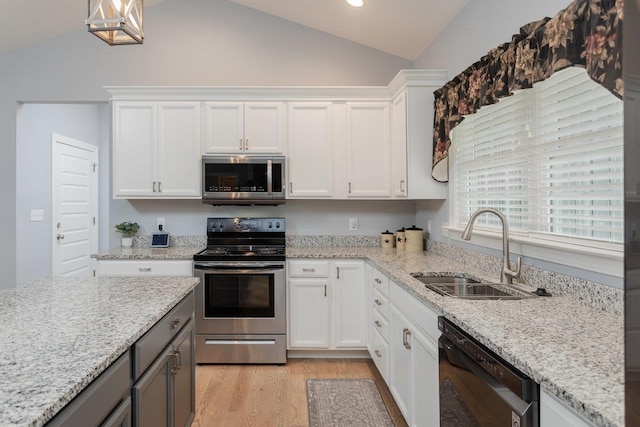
380, 303
380, 355
98, 400
304, 268
422, 316
145, 268
147, 348
381, 282
381, 325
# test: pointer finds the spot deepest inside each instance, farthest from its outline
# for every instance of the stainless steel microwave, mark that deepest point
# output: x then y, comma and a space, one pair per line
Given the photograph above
243, 180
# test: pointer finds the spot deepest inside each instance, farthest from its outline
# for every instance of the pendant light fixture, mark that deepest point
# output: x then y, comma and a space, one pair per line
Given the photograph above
116, 21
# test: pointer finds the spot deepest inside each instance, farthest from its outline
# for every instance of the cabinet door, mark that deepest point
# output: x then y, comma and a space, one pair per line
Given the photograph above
264, 127
179, 160
399, 145
425, 393
400, 362
223, 128
349, 305
310, 158
368, 150
121, 417
184, 378
308, 313
152, 394
134, 148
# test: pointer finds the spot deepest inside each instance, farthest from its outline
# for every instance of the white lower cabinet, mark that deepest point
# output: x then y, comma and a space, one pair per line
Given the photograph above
169, 267
326, 312
413, 359
553, 412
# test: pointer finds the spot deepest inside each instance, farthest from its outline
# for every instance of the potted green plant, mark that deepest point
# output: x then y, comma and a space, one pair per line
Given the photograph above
127, 229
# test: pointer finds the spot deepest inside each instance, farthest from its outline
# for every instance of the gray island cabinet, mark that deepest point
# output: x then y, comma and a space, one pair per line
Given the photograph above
115, 351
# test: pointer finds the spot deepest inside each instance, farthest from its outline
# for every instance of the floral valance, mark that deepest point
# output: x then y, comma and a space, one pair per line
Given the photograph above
588, 34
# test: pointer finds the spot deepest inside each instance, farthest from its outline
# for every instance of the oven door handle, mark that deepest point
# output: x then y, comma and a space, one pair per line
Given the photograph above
239, 270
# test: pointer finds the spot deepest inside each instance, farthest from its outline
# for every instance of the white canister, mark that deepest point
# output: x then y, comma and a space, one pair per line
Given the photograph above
386, 239
400, 239
414, 239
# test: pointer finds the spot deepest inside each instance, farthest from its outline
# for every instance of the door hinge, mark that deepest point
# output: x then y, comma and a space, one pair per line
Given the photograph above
94, 167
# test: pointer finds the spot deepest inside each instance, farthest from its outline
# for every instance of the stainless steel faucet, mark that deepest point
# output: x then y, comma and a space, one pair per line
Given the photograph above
506, 275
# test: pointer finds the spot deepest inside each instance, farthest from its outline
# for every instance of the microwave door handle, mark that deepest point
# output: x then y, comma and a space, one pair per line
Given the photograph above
270, 177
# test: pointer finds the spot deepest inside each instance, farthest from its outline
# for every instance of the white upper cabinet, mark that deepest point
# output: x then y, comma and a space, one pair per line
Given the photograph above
156, 149
310, 150
368, 151
399, 145
244, 127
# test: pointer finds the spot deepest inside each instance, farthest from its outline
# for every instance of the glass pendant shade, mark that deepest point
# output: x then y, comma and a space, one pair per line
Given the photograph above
116, 21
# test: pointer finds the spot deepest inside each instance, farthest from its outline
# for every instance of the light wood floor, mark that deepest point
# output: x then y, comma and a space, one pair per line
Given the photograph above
270, 396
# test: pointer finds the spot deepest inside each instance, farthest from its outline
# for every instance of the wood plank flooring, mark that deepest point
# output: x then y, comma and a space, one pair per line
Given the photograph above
273, 396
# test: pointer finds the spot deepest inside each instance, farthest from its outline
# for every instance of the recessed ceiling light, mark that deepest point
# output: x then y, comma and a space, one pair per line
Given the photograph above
355, 3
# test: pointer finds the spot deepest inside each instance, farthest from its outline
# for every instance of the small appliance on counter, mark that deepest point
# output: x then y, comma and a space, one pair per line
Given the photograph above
386, 240
159, 239
414, 239
400, 239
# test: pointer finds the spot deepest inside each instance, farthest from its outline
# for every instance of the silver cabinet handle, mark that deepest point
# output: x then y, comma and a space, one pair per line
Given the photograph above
290, 187
402, 186
377, 301
60, 236
176, 355
337, 272
246, 144
325, 290
349, 188
406, 333
174, 324
144, 269
241, 144
378, 324
308, 270
377, 352
159, 186
154, 186
378, 281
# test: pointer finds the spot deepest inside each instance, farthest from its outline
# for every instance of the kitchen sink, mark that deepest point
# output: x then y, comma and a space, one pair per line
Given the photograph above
468, 288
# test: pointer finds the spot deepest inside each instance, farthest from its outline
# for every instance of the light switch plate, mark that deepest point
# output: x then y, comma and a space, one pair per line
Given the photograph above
353, 224
37, 215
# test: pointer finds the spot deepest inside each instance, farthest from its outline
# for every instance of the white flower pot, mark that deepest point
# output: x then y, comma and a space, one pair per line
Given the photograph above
127, 242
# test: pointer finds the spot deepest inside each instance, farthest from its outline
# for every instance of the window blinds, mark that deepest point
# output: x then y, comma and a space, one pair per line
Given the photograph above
550, 158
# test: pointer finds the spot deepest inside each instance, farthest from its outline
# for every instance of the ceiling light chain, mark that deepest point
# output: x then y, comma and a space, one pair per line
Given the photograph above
116, 21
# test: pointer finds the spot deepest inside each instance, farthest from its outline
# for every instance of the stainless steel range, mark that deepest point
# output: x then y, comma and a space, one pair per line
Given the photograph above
240, 301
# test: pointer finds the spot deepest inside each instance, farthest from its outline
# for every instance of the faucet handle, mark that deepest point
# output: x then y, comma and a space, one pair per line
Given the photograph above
515, 273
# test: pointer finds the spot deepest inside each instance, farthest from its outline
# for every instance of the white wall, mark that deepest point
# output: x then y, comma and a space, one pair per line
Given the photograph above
188, 42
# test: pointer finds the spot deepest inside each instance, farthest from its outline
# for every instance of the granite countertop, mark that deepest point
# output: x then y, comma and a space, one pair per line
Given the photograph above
59, 334
178, 252
573, 351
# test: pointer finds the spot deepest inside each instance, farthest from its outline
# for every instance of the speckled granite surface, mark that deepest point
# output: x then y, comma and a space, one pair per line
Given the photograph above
178, 252
574, 351
59, 334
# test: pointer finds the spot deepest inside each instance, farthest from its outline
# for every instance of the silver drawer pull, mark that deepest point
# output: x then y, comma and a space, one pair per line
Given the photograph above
377, 352
377, 301
378, 324
174, 324
308, 270
176, 355
378, 281
144, 269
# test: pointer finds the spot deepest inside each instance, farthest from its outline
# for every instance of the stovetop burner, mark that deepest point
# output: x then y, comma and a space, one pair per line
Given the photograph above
243, 238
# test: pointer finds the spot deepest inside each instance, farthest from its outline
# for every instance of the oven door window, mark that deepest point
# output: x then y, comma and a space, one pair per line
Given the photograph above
233, 295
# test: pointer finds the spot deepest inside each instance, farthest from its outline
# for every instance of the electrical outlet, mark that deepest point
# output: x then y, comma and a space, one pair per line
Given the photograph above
160, 222
429, 226
353, 224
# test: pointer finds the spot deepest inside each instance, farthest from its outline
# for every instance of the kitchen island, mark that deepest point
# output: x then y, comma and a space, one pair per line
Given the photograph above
59, 334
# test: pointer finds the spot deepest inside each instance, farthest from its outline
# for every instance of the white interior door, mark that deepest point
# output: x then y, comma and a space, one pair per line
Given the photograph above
74, 199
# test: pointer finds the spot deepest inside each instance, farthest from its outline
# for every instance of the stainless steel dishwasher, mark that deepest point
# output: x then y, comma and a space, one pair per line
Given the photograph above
477, 388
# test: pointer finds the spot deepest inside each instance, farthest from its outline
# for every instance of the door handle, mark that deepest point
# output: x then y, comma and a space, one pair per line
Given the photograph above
176, 355
309, 270
60, 236
402, 186
159, 186
144, 269
325, 290
377, 301
377, 352
154, 186
378, 324
241, 144
406, 333
338, 272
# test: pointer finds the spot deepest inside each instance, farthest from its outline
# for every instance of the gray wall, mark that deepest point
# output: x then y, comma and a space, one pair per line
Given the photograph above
35, 124
481, 26
188, 42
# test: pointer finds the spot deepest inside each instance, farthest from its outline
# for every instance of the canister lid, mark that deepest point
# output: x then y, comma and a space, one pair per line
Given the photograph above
387, 232
401, 230
413, 227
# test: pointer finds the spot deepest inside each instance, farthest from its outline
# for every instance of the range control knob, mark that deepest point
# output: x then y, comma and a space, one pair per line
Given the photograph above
270, 224
213, 226
277, 225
